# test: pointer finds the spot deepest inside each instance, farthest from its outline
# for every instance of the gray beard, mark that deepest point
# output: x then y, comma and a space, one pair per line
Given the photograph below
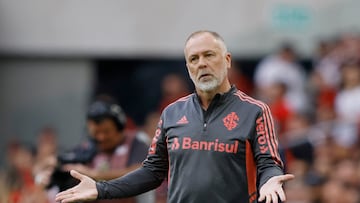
208, 85
211, 84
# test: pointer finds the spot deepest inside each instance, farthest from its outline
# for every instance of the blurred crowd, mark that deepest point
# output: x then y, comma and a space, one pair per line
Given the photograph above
316, 113
317, 116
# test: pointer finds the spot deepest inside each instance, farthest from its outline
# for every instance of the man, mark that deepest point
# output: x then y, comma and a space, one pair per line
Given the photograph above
216, 145
117, 152
282, 68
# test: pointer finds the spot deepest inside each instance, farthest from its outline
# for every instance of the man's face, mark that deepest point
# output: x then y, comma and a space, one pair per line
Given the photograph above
106, 134
207, 61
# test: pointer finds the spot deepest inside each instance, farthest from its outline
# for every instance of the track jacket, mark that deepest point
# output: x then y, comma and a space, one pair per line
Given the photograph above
223, 154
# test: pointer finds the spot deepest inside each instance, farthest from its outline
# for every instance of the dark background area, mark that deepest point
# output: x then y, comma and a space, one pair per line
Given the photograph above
129, 80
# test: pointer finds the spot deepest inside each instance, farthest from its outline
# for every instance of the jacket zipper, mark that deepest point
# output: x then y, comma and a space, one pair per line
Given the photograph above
205, 125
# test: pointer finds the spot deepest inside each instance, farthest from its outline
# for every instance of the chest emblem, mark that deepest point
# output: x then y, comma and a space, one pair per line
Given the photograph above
231, 121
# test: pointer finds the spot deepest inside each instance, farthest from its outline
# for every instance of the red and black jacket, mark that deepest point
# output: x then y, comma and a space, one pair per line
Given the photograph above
223, 154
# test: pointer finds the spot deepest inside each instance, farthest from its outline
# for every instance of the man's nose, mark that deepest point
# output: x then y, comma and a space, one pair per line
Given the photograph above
202, 62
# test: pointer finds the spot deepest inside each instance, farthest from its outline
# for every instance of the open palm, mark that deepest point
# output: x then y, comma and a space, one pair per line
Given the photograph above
84, 191
273, 189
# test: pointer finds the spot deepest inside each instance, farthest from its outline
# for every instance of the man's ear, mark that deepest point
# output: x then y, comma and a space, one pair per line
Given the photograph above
228, 60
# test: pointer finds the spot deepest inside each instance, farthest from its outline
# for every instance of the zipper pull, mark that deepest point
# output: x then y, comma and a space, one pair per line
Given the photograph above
205, 124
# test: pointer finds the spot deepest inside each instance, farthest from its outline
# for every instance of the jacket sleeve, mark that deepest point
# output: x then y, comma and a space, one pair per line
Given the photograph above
157, 158
134, 183
148, 177
265, 147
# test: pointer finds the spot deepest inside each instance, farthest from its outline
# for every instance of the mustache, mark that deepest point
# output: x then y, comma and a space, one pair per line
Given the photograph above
204, 73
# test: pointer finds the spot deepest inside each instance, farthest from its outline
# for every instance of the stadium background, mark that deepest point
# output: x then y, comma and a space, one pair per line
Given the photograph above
57, 55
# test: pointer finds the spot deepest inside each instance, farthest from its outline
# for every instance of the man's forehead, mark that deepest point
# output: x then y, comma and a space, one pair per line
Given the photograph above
202, 42
201, 38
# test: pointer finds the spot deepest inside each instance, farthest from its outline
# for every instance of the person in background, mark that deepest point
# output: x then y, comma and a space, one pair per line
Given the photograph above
215, 145
242, 81
46, 161
348, 98
4, 190
19, 179
146, 134
109, 151
146, 131
282, 67
173, 87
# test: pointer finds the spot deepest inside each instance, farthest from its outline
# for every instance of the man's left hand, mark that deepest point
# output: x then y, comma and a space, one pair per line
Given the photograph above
273, 189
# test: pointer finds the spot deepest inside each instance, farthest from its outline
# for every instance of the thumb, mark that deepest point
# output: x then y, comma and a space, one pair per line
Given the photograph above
77, 175
261, 198
287, 177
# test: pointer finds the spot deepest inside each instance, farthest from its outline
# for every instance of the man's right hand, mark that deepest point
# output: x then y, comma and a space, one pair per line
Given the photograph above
84, 191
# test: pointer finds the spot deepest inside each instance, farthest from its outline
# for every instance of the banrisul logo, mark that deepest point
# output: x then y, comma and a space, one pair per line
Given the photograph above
187, 143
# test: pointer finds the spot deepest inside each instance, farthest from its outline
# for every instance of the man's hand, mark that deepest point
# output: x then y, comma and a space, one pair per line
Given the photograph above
273, 189
84, 191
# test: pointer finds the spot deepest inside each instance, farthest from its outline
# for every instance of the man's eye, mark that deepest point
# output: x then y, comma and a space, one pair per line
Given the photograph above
193, 59
209, 55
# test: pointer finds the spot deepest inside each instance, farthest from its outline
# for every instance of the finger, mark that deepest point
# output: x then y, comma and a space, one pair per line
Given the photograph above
274, 197
281, 195
72, 198
77, 175
63, 197
287, 177
63, 194
261, 198
268, 198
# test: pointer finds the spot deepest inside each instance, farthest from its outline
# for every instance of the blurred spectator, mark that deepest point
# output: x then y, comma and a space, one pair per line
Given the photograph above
350, 46
283, 68
147, 131
46, 143
298, 191
19, 178
118, 152
46, 149
279, 106
45, 161
332, 192
110, 151
297, 139
146, 134
4, 190
326, 74
335, 191
348, 99
173, 87
240, 80
345, 171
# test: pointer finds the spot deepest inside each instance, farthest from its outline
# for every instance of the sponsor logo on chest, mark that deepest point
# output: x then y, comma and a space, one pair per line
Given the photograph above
187, 143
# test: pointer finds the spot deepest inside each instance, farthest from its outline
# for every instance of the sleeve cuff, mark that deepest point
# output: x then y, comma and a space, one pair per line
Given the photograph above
101, 188
269, 174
